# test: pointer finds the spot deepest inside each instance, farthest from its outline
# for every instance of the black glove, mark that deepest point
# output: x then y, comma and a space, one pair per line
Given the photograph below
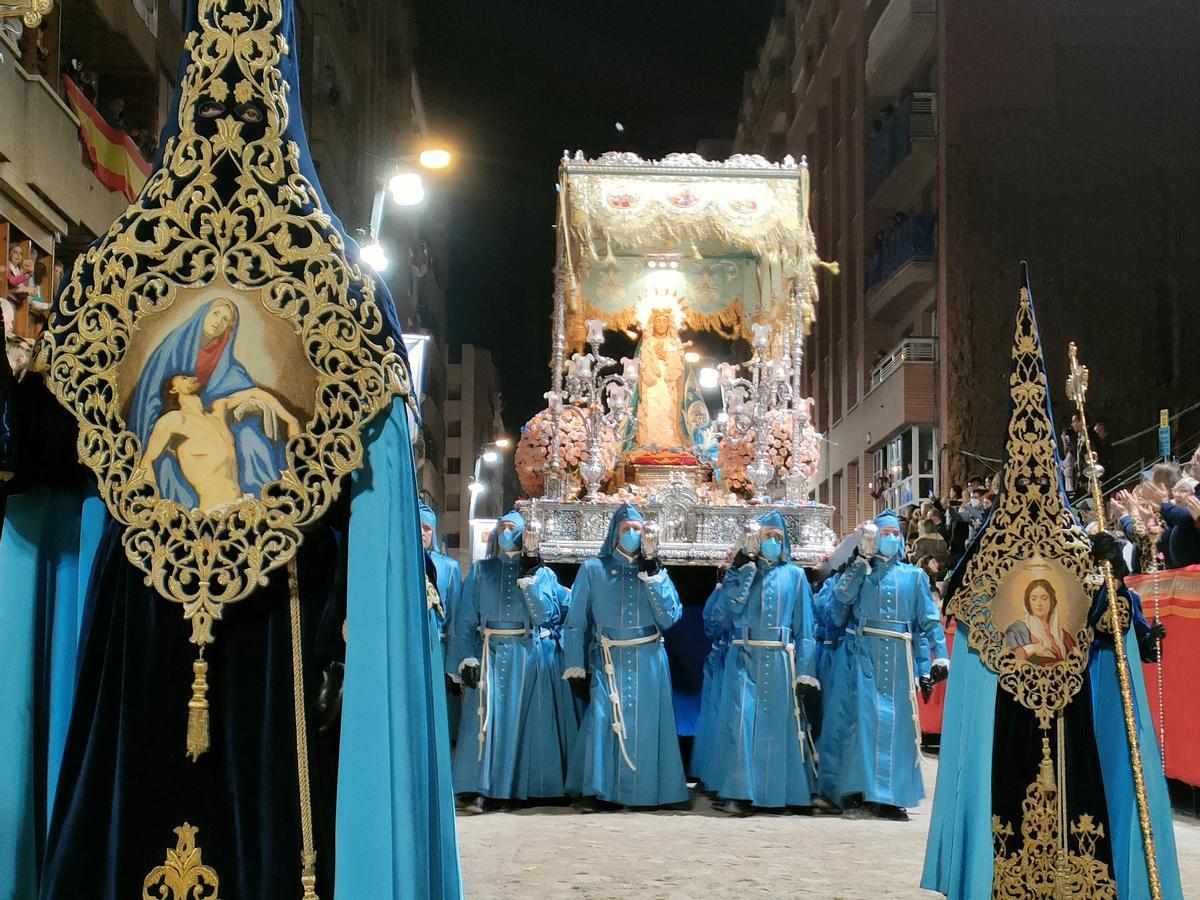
926, 684
329, 696
740, 559
581, 687
470, 676
530, 564
1151, 646
1106, 548
938, 672
649, 565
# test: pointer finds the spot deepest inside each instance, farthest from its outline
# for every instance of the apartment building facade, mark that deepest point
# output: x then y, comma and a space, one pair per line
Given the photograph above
948, 142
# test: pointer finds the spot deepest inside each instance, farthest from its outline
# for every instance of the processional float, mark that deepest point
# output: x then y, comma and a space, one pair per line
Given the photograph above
654, 247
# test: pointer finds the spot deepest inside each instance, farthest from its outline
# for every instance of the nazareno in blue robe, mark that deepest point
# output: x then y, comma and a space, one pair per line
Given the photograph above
508, 737
959, 854
704, 747
123, 782
884, 609
449, 587
985, 733
613, 599
765, 754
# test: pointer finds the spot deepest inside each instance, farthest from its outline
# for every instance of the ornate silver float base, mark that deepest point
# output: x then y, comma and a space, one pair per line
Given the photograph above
693, 534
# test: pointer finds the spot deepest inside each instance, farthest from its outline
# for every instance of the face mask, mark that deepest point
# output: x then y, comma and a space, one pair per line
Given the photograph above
975, 503
508, 539
889, 544
630, 541
771, 548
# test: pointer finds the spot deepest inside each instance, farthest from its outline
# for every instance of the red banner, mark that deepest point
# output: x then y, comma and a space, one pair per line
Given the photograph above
1174, 597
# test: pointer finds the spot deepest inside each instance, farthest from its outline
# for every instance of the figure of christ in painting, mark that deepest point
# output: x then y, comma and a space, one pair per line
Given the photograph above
1038, 637
203, 347
661, 382
201, 440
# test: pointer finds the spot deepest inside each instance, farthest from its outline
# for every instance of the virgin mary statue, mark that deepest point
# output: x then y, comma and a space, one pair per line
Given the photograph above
203, 347
671, 414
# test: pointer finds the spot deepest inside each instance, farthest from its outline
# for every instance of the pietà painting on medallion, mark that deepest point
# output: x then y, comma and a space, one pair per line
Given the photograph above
236, 384
1033, 789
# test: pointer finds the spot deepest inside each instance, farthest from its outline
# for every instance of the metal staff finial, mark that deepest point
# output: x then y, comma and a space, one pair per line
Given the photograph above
1077, 385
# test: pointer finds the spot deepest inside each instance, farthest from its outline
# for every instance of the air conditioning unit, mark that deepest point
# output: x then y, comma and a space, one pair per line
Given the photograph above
923, 122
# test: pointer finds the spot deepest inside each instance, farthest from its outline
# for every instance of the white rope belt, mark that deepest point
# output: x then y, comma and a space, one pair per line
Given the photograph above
614, 692
484, 709
912, 684
791, 660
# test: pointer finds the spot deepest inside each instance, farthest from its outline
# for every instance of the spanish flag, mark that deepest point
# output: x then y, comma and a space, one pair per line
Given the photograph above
114, 157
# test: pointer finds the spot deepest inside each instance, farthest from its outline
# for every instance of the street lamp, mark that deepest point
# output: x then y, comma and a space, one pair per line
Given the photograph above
406, 188
488, 454
503, 443
375, 256
435, 158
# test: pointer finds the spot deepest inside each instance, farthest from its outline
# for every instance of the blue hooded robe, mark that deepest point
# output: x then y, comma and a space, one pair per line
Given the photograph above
612, 600
765, 754
449, 587
885, 605
508, 738
704, 746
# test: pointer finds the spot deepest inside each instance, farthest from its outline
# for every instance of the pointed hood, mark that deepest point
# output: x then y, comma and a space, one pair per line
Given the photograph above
429, 517
626, 512
774, 519
518, 521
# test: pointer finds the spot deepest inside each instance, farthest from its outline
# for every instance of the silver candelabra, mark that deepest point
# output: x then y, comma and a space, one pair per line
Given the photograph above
604, 398
754, 404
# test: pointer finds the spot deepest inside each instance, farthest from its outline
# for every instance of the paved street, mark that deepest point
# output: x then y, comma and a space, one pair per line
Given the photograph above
554, 852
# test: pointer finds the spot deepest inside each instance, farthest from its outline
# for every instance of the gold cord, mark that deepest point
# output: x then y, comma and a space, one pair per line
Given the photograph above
1077, 389
308, 855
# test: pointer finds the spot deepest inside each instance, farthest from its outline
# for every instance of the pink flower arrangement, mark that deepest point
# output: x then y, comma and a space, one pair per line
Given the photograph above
533, 450
732, 458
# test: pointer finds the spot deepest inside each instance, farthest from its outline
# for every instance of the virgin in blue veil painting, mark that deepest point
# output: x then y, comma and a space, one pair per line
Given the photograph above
193, 400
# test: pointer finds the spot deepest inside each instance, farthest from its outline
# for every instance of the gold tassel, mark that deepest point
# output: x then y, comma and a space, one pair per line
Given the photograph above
308, 880
197, 730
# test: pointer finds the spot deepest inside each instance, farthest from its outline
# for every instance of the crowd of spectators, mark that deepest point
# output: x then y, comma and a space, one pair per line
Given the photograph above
110, 106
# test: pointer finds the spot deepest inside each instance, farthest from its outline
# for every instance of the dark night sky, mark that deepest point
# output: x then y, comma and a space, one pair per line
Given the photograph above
513, 84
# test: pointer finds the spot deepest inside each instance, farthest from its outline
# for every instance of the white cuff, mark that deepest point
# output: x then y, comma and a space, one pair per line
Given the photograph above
808, 679
657, 577
942, 661
469, 661
527, 582
574, 672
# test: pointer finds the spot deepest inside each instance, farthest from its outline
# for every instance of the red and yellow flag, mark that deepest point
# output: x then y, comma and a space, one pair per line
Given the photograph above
114, 156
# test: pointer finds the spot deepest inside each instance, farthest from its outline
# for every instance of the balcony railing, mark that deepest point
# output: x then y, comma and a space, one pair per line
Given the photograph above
915, 349
914, 119
915, 238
